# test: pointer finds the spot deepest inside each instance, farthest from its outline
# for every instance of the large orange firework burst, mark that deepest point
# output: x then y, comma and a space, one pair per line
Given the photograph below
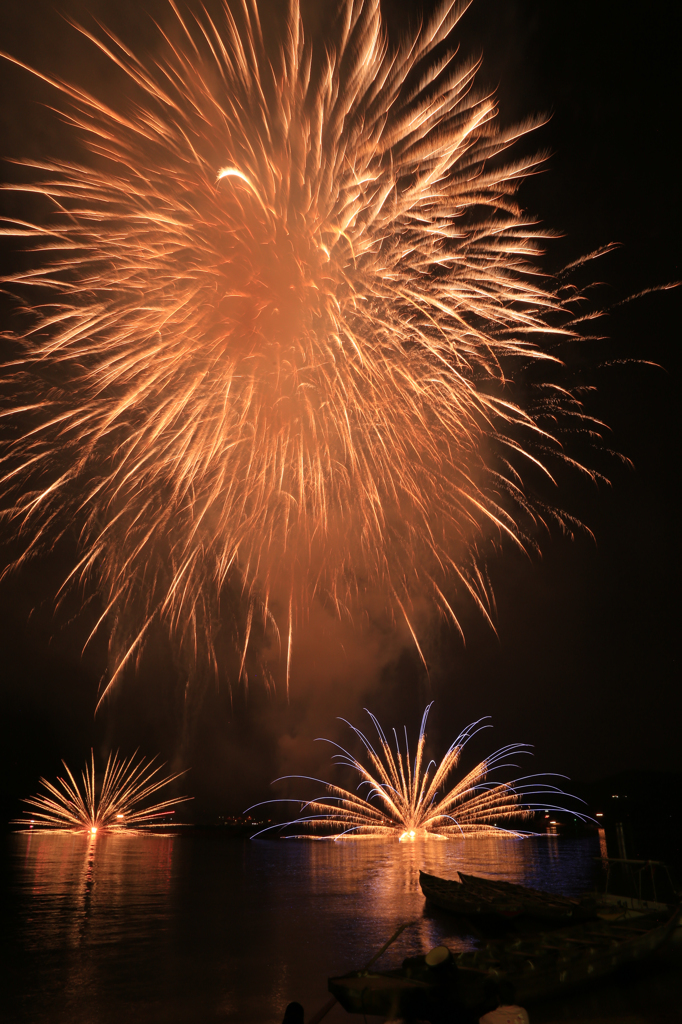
271, 360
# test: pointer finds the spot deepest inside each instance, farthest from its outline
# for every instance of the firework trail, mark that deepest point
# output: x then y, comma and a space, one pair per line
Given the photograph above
116, 808
406, 800
273, 332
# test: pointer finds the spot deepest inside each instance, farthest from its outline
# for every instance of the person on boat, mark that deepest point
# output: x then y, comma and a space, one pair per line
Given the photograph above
507, 1012
293, 1014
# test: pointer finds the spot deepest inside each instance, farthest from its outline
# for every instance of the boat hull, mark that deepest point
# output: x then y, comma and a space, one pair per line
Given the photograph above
473, 896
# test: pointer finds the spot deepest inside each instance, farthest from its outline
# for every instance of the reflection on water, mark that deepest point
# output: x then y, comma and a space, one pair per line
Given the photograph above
80, 885
385, 869
194, 929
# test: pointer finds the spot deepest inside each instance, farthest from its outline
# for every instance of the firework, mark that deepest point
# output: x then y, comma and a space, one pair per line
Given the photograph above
272, 356
405, 800
115, 808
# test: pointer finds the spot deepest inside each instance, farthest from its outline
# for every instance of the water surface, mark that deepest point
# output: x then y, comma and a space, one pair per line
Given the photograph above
195, 929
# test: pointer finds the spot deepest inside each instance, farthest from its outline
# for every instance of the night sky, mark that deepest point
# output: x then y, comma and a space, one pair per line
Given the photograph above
585, 662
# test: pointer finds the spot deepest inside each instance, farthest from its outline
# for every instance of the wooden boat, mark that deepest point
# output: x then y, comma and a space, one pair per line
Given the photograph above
611, 907
642, 886
547, 964
475, 896
560, 959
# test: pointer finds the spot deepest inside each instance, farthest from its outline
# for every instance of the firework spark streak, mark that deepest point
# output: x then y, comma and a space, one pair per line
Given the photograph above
278, 324
125, 786
406, 800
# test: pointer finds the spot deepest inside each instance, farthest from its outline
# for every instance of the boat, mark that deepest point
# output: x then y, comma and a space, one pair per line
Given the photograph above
476, 896
612, 907
643, 886
547, 964
554, 961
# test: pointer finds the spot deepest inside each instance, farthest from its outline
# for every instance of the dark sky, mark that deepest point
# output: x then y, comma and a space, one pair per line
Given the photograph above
585, 663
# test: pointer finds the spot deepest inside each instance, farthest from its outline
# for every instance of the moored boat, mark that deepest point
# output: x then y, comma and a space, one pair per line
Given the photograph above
554, 961
546, 964
472, 895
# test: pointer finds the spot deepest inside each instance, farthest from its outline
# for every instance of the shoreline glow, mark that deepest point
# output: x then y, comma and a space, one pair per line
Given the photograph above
408, 801
114, 809
273, 332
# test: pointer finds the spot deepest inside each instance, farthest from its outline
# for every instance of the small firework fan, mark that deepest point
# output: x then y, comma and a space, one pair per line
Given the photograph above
406, 800
116, 808
273, 361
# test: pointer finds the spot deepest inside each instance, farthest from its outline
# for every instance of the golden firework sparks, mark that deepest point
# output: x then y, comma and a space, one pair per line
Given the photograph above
406, 800
273, 353
116, 807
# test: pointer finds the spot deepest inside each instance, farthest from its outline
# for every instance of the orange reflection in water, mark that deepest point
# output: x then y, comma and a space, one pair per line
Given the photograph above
384, 876
78, 878
396, 865
182, 927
